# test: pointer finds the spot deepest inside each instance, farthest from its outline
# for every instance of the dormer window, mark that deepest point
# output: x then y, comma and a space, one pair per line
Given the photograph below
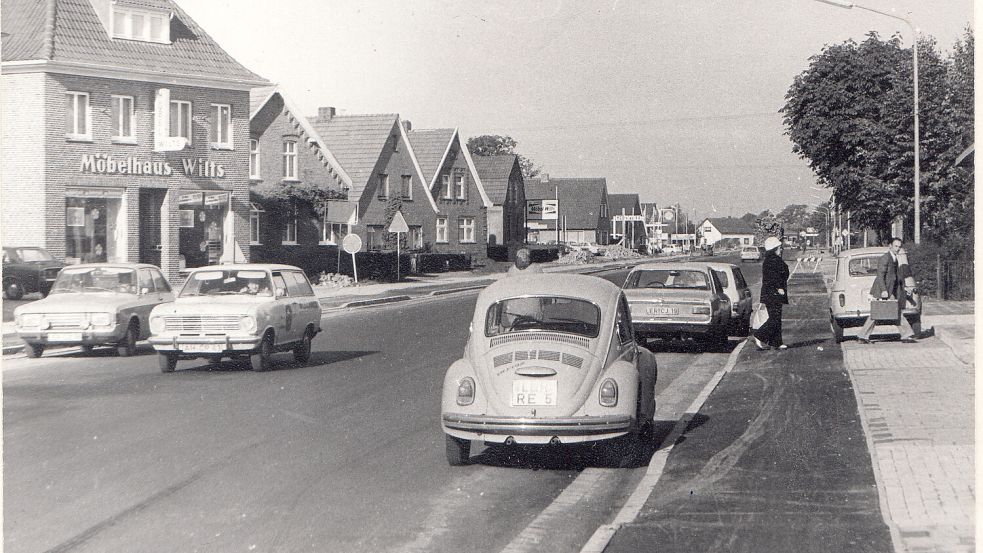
146, 25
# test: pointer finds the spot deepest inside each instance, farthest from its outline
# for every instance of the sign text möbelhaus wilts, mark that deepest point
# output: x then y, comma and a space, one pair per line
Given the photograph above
101, 164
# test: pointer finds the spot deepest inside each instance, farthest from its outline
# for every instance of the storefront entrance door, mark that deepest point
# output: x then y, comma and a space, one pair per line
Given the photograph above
151, 203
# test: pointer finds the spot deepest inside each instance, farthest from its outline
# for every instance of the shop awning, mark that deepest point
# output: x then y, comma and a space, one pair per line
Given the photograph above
341, 212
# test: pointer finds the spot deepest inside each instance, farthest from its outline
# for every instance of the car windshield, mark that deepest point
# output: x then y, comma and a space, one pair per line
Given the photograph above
668, 278
227, 282
863, 266
34, 254
543, 313
84, 280
751, 250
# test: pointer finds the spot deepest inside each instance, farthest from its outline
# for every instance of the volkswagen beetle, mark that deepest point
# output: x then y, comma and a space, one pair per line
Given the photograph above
551, 359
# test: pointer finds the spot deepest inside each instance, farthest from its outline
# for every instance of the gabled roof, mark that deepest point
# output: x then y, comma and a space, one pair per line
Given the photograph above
731, 225
68, 36
357, 142
495, 172
579, 198
628, 202
431, 147
259, 97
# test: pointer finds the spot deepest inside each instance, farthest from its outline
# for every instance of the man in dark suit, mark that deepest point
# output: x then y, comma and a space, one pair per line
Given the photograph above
889, 284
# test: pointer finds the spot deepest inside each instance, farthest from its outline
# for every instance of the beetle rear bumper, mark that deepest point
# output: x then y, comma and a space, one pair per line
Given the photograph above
580, 428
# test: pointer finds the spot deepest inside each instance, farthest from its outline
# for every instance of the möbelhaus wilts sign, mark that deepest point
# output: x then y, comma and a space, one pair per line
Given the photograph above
101, 164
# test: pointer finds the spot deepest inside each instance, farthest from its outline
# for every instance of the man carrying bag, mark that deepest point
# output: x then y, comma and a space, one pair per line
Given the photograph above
888, 297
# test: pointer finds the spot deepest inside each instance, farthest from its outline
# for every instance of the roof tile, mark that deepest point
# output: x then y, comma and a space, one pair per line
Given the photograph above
356, 142
494, 172
429, 146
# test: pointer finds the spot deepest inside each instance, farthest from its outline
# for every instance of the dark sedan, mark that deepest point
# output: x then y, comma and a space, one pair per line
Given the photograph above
27, 270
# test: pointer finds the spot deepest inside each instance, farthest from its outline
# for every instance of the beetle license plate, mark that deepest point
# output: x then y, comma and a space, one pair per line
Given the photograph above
202, 348
64, 336
661, 310
533, 393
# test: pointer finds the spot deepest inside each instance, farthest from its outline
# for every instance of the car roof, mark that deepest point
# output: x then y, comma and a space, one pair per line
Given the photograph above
858, 252
591, 288
719, 265
678, 266
247, 267
122, 265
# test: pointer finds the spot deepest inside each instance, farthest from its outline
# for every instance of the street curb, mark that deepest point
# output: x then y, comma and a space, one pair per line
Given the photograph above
376, 301
10, 350
456, 290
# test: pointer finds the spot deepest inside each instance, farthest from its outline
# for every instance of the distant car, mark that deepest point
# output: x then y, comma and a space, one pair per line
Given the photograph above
551, 359
238, 311
27, 270
678, 300
849, 296
750, 253
673, 248
737, 290
584, 246
94, 304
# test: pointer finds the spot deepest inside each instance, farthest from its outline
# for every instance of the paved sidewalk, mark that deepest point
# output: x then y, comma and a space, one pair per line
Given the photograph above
917, 404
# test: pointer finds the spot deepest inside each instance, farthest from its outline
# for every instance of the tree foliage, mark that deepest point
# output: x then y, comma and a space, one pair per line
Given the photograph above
497, 145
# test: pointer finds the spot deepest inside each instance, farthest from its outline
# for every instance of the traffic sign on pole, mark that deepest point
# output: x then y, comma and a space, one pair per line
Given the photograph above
352, 243
397, 226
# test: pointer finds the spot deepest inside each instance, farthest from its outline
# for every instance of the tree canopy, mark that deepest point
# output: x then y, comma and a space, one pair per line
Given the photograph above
496, 145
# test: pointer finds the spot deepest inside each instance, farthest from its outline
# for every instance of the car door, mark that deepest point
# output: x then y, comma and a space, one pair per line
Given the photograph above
150, 297
744, 293
282, 315
722, 302
307, 309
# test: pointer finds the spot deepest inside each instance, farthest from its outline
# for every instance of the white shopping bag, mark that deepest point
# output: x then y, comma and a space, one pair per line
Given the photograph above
759, 317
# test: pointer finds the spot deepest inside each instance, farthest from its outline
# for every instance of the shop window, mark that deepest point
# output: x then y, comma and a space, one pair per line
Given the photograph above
221, 126
181, 119
445, 186
78, 117
254, 158
254, 224
442, 229
289, 160
186, 218
122, 118
91, 225
465, 230
414, 238
459, 189
290, 227
383, 185
406, 187
145, 25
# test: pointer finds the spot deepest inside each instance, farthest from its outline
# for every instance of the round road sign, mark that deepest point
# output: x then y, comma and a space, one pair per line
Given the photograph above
352, 243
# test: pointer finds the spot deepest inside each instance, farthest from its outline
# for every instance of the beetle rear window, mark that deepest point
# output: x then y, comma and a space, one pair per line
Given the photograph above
543, 313
863, 266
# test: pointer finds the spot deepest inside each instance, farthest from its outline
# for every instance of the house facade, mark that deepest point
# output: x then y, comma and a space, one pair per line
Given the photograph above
462, 205
713, 230
567, 210
502, 178
118, 145
627, 220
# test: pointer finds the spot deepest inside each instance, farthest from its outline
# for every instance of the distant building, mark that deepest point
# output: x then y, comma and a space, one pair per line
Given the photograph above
567, 210
627, 221
502, 178
714, 230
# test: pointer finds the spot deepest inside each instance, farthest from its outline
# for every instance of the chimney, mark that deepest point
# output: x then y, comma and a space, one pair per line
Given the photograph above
545, 177
324, 114
407, 125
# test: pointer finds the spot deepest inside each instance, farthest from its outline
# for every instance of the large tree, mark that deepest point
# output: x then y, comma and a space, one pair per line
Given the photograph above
497, 145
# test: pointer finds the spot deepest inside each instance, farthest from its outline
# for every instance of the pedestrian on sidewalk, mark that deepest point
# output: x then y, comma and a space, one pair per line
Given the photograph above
523, 263
889, 283
774, 286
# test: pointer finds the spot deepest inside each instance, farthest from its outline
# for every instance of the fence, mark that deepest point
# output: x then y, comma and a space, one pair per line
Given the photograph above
956, 279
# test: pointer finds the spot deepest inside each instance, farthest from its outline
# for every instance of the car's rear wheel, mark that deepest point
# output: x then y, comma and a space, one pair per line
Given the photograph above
167, 362
12, 290
302, 351
34, 350
260, 360
837, 330
458, 451
128, 345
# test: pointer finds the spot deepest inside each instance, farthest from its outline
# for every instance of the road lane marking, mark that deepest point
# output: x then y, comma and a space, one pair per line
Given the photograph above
629, 511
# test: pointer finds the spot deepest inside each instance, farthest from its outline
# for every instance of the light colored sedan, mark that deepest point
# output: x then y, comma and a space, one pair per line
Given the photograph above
750, 253
246, 310
94, 304
551, 359
849, 296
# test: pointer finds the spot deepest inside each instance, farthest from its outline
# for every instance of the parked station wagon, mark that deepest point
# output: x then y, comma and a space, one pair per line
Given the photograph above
94, 304
238, 311
741, 302
551, 359
677, 300
849, 296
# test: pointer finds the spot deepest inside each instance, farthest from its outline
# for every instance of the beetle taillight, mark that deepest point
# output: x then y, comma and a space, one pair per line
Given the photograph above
465, 391
608, 395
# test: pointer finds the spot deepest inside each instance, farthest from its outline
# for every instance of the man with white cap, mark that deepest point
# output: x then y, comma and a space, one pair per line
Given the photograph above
774, 295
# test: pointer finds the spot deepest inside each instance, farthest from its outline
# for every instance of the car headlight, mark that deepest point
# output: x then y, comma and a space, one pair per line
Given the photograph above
247, 323
465, 391
608, 395
30, 319
156, 324
101, 319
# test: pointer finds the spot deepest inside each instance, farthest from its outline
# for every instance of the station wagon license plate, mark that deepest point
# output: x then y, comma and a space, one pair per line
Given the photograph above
533, 393
662, 310
64, 336
202, 348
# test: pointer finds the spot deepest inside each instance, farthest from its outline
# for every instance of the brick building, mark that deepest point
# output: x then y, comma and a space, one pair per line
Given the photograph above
125, 135
567, 210
502, 178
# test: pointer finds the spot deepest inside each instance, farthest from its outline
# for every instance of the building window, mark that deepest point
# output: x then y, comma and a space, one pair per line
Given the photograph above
333, 233
406, 186
414, 238
148, 26
459, 190
383, 185
254, 229
290, 227
442, 229
465, 230
374, 235
181, 119
221, 126
445, 186
186, 218
290, 160
254, 158
122, 118
78, 118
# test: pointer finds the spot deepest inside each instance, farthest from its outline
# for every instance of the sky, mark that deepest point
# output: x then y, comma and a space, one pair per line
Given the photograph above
676, 101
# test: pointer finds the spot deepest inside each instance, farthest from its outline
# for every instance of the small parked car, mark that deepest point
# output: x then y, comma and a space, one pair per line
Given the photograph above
27, 270
849, 295
237, 311
551, 359
741, 302
750, 253
585, 246
94, 304
678, 300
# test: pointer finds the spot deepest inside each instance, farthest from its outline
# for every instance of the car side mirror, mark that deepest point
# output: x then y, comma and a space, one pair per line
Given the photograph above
281, 292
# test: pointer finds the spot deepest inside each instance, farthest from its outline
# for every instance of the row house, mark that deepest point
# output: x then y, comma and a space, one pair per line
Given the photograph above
125, 134
502, 179
567, 210
627, 221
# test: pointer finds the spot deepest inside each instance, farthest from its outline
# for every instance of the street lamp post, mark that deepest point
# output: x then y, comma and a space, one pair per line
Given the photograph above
914, 42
